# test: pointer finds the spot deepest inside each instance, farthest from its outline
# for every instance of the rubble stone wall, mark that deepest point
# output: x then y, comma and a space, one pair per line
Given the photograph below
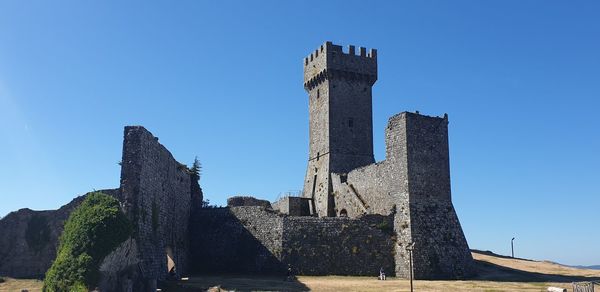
156, 193
254, 239
29, 239
338, 246
235, 240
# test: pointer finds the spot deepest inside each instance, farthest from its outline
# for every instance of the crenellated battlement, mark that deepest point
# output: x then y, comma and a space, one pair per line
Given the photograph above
330, 61
331, 48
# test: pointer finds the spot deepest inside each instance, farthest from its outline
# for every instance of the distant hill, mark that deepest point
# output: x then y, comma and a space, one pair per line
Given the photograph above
594, 267
489, 253
495, 267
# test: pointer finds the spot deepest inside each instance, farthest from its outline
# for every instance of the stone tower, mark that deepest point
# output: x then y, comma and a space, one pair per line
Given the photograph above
341, 120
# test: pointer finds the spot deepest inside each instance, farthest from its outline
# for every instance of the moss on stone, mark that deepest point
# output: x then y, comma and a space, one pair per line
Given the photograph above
385, 227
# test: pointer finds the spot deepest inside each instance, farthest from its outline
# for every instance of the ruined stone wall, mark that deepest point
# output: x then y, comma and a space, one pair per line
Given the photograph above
156, 193
236, 240
338, 246
253, 239
29, 239
293, 206
238, 201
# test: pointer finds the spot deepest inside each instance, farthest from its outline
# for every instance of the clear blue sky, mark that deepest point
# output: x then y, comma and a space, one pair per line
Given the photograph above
520, 81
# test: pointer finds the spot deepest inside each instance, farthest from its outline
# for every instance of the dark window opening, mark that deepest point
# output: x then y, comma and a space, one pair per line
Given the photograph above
314, 186
318, 93
343, 213
343, 178
351, 122
318, 155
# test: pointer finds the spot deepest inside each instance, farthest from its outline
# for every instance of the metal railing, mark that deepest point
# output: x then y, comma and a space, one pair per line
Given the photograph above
292, 193
584, 286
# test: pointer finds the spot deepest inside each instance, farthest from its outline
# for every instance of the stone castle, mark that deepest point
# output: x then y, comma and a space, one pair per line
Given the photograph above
354, 216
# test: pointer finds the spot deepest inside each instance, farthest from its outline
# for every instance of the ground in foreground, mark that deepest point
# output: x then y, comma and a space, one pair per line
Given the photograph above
496, 273
21, 284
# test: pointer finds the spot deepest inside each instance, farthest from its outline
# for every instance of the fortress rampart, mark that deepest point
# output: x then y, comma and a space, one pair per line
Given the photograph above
156, 193
355, 215
254, 239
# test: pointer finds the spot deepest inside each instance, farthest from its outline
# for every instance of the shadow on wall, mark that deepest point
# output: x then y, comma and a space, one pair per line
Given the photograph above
257, 240
222, 244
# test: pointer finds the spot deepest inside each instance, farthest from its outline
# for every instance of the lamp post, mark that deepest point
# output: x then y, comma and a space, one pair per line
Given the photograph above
410, 248
512, 248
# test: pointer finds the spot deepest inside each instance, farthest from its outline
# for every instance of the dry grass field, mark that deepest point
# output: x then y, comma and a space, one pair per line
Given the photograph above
19, 285
496, 273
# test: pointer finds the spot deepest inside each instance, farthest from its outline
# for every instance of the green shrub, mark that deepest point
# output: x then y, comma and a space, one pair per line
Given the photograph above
92, 231
2, 280
385, 227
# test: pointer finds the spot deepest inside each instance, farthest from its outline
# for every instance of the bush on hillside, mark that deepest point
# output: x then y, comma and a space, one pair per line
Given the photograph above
92, 231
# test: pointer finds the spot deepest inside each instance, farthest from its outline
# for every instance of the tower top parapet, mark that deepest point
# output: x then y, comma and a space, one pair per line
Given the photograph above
330, 61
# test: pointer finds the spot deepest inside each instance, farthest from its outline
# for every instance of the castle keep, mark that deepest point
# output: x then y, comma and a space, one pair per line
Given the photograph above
354, 216
349, 201
412, 184
340, 117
